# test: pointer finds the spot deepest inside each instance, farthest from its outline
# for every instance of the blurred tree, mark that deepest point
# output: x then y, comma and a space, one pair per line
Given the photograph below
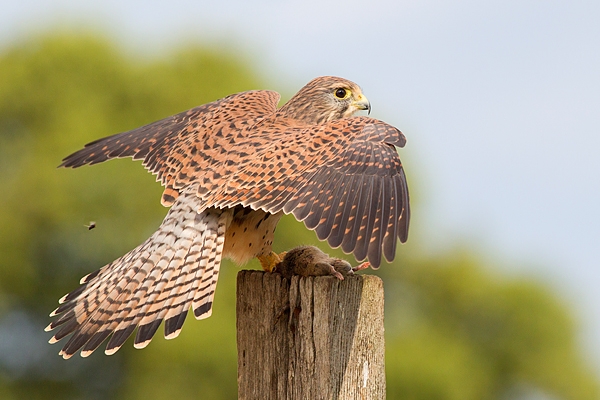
454, 331
56, 94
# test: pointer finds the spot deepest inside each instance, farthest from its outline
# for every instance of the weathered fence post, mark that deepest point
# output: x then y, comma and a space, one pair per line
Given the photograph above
310, 338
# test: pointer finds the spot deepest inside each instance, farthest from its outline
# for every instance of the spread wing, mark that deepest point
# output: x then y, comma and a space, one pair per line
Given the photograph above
344, 179
194, 139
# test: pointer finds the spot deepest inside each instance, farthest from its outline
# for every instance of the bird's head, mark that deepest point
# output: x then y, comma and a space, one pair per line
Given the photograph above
325, 99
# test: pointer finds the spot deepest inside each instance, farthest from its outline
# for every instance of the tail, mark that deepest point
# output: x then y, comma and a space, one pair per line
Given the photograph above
177, 267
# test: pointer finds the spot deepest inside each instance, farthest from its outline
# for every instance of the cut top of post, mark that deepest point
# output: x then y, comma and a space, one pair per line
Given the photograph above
310, 337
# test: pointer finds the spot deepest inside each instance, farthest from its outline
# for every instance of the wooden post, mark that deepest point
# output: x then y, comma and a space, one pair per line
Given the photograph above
310, 338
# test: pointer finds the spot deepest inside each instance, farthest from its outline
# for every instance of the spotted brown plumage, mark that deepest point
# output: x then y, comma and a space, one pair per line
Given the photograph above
231, 169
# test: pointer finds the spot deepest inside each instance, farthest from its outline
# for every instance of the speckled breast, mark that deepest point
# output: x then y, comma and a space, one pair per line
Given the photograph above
250, 234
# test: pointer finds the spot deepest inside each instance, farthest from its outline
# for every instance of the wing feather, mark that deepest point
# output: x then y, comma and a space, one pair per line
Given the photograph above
363, 193
259, 159
325, 226
323, 175
205, 132
356, 196
391, 227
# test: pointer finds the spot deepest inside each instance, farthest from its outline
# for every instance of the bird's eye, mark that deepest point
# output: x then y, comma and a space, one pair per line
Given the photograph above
342, 93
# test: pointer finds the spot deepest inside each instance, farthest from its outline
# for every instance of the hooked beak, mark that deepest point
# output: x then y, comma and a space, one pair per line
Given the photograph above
363, 104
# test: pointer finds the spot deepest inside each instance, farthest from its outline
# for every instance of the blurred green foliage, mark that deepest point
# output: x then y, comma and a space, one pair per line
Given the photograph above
454, 330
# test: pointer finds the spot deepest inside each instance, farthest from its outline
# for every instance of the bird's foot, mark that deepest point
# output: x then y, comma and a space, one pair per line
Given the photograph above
311, 261
270, 261
362, 266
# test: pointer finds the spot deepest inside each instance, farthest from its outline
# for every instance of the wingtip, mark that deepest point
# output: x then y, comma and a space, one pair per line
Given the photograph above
374, 267
403, 236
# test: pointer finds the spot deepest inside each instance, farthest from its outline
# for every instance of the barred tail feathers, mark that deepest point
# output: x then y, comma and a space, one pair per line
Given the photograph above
177, 267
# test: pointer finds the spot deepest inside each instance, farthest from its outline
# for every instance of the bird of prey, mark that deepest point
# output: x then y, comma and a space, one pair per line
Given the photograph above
230, 170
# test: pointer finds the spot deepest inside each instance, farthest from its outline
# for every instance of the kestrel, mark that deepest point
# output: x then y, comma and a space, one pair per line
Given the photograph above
231, 169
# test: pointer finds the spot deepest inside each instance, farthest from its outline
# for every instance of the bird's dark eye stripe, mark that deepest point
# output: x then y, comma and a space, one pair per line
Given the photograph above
340, 93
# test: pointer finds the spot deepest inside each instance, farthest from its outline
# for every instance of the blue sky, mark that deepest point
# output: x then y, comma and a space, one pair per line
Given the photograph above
500, 101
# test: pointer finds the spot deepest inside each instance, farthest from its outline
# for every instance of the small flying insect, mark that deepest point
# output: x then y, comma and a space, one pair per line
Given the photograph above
91, 225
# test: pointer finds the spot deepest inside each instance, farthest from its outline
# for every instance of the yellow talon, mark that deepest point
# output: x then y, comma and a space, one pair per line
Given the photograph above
269, 261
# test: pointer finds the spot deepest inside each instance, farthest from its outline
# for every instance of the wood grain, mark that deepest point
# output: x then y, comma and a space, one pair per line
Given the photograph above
310, 337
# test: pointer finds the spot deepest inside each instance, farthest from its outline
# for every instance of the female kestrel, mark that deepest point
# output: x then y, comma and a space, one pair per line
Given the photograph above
231, 169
